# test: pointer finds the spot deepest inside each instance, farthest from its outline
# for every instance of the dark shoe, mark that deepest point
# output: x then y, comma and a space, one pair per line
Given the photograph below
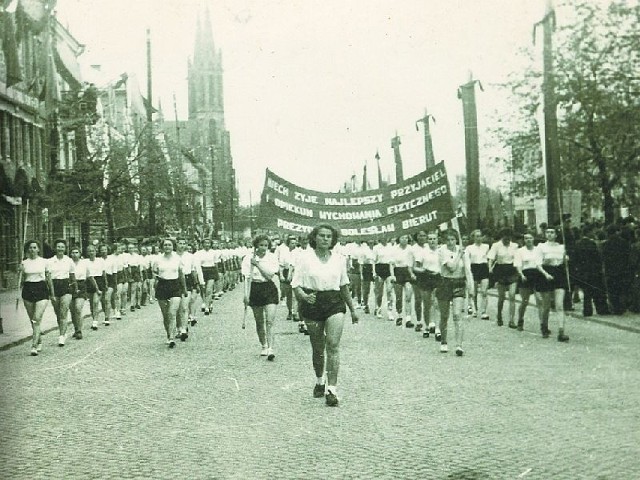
301, 328
77, 335
399, 321
171, 343
331, 400
562, 337
500, 322
409, 324
193, 322
289, 316
138, 307
459, 352
546, 333
206, 311
366, 309
318, 391
419, 327
520, 327
438, 336
512, 325
133, 308
425, 334
184, 336
271, 357
432, 329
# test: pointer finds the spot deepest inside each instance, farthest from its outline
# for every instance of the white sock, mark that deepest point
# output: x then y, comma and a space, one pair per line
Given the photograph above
333, 389
319, 380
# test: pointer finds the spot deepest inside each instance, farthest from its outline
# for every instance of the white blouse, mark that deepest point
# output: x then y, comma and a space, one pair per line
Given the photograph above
503, 254
109, 265
269, 264
61, 268
81, 269
551, 254
527, 259
96, 267
384, 253
429, 259
34, 269
402, 257
477, 253
207, 258
168, 268
316, 275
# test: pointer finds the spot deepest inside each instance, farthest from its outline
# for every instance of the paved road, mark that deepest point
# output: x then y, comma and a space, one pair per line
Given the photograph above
119, 404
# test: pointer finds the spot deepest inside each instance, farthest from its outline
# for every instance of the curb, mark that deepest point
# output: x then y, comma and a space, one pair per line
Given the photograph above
22, 340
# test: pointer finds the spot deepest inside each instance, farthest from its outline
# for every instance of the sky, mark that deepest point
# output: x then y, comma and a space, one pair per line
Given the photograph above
314, 88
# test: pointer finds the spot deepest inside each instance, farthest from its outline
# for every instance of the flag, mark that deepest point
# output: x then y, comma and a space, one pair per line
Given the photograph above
461, 218
380, 181
365, 186
10, 49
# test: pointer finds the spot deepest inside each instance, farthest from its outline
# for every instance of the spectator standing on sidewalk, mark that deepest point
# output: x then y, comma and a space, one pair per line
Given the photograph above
635, 272
61, 274
616, 255
587, 263
321, 285
35, 293
260, 270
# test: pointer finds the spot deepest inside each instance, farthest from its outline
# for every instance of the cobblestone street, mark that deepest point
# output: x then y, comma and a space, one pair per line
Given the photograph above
119, 404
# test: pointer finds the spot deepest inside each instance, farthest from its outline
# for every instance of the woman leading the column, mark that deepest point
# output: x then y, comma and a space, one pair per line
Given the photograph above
170, 287
61, 275
33, 270
260, 270
321, 285
553, 257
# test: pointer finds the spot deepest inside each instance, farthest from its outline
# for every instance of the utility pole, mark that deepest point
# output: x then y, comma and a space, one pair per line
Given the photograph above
395, 144
428, 144
150, 149
551, 147
467, 93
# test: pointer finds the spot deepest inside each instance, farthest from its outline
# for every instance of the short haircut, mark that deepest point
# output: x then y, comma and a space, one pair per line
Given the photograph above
28, 243
450, 232
60, 240
314, 234
258, 239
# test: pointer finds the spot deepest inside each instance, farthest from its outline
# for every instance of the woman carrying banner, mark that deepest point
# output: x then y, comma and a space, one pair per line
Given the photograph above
321, 285
260, 269
35, 294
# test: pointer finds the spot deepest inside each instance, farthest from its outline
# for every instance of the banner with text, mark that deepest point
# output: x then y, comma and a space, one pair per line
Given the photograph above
421, 202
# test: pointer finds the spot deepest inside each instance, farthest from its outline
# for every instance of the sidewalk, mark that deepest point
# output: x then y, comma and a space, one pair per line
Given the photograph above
15, 322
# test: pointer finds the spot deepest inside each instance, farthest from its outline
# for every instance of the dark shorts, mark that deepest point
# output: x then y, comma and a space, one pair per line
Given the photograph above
81, 291
263, 293
383, 270
61, 287
559, 279
480, 271
534, 279
402, 275
122, 278
190, 280
428, 280
451, 288
166, 289
148, 273
101, 284
35, 291
328, 303
111, 281
285, 275
136, 276
505, 273
367, 272
354, 268
221, 267
210, 273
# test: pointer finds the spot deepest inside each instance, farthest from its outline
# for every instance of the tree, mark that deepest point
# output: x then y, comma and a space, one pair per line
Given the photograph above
597, 60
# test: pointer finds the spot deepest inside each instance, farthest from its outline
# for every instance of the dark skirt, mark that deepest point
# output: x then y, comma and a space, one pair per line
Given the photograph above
99, 281
328, 303
402, 275
559, 278
210, 273
505, 273
480, 271
61, 287
111, 281
367, 272
534, 279
166, 289
383, 270
428, 280
81, 290
450, 288
35, 291
263, 293
136, 276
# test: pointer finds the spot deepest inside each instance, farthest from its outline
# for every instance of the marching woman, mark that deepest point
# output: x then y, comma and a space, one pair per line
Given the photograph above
555, 285
207, 258
33, 283
529, 265
79, 291
383, 284
426, 266
456, 275
477, 253
60, 276
366, 260
96, 284
260, 269
184, 316
135, 276
403, 276
109, 265
321, 285
170, 287
501, 258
